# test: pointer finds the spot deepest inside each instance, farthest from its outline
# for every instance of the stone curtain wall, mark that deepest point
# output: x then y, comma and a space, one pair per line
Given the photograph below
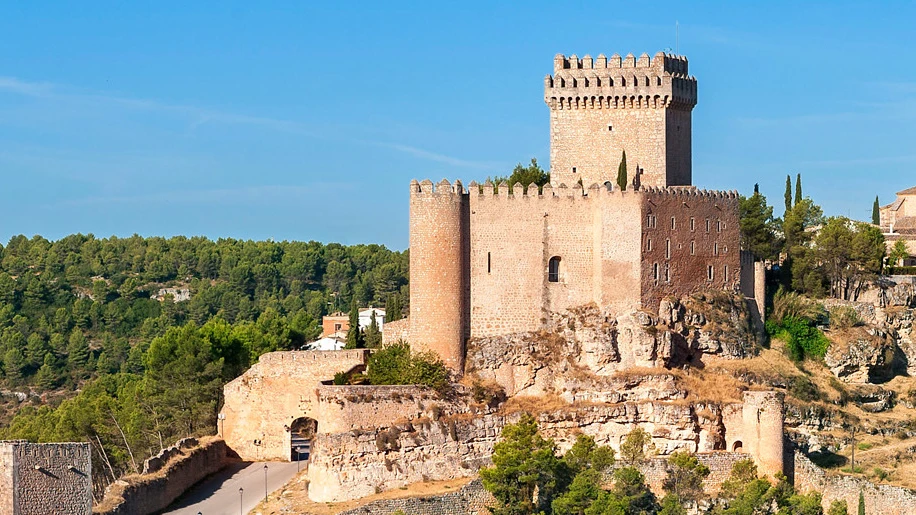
600, 107
151, 493
45, 479
344, 408
261, 404
879, 499
720, 468
471, 499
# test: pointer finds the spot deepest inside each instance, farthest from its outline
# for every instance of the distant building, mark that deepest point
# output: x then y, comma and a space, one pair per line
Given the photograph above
898, 222
333, 342
178, 294
339, 322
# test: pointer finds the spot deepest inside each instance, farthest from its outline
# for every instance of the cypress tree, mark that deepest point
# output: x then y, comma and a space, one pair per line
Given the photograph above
622, 172
876, 212
354, 335
861, 503
788, 193
393, 308
798, 189
756, 188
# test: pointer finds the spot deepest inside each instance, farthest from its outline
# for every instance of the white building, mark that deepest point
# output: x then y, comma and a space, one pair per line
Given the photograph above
365, 317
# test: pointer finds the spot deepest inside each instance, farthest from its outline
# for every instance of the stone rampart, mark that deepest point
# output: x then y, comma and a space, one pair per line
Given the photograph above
262, 404
45, 479
150, 493
720, 468
471, 499
344, 408
879, 499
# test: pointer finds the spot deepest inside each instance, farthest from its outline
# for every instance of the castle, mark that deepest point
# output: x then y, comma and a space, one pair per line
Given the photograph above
485, 262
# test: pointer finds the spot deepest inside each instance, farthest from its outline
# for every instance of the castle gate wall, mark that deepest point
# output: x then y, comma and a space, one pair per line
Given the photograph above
344, 408
261, 404
685, 232
45, 479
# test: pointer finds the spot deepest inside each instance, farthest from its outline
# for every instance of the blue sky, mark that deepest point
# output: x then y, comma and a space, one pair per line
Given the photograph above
306, 121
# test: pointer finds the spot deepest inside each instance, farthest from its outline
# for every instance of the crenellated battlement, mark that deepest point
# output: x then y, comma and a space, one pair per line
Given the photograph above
517, 191
620, 83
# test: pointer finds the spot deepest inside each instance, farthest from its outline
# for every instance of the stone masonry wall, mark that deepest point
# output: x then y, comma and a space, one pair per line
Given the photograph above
396, 331
879, 499
45, 479
471, 499
720, 468
151, 493
344, 408
686, 233
261, 404
601, 107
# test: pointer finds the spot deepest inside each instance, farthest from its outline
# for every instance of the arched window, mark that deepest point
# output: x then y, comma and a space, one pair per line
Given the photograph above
553, 269
737, 446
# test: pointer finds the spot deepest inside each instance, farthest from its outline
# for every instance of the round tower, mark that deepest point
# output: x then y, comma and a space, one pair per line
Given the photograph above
439, 242
763, 430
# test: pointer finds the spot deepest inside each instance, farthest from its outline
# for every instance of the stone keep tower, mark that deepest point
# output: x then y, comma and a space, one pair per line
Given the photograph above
602, 107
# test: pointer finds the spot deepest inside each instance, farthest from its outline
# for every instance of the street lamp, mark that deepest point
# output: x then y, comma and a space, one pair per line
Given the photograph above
221, 417
241, 509
265, 482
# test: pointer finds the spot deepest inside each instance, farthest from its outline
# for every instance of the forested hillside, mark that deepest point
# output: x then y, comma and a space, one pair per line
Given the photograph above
94, 346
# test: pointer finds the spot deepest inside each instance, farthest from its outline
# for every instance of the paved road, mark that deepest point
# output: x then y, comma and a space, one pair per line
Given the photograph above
219, 494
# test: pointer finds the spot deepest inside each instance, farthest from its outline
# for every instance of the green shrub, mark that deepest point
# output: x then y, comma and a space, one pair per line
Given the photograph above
803, 389
789, 304
803, 340
341, 378
901, 270
397, 364
864, 446
844, 317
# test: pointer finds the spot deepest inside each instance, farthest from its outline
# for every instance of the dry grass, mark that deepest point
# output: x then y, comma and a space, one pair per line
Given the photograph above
293, 498
534, 404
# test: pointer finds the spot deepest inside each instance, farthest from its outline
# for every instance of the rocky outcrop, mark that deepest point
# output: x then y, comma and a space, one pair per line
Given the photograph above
585, 343
868, 356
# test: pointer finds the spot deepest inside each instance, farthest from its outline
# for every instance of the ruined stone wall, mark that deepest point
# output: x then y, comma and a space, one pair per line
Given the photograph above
344, 408
153, 492
720, 468
396, 331
45, 479
879, 499
261, 404
690, 243
601, 107
439, 270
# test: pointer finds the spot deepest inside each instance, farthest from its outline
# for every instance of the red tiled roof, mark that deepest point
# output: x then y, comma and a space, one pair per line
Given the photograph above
908, 191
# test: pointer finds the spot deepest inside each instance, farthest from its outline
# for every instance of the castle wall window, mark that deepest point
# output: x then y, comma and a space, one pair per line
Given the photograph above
673, 223
693, 248
707, 225
668, 249
574, 169
710, 273
667, 273
488, 262
648, 244
655, 272
610, 127
726, 273
718, 225
693, 224
553, 270
715, 249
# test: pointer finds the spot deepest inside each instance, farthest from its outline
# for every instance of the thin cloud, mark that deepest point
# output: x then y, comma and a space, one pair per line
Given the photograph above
242, 195
198, 117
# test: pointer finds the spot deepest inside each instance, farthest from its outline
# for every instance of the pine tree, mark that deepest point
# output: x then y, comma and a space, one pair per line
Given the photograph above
756, 188
622, 172
861, 503
47, 377
798, 189
876, 212
788, 193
